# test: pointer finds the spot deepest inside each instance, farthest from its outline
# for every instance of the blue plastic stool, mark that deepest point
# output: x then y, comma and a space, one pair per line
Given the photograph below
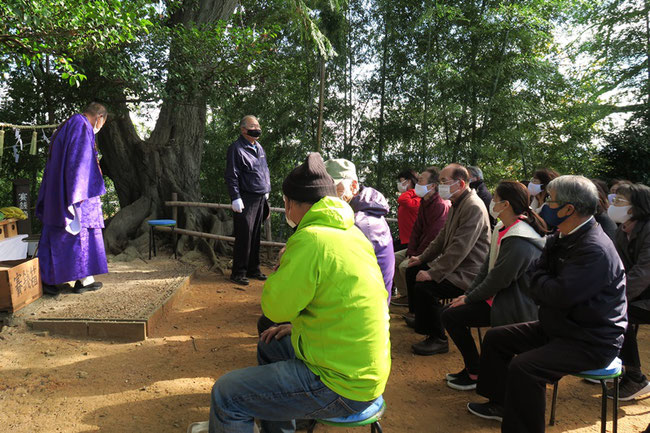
152, 239
612, 371
369, 416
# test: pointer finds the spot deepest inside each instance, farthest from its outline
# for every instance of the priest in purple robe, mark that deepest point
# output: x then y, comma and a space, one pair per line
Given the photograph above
69, 206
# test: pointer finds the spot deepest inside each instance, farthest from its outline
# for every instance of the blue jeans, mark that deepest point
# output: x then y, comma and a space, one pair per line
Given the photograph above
278, 391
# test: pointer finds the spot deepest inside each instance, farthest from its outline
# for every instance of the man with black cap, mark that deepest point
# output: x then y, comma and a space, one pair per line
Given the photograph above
333, 359
249, 184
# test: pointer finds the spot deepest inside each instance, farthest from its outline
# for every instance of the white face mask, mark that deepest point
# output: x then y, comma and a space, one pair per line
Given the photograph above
348, 193
534, 188
422, 190
402, 186
286, 213
95, 128
289, 221
619, 214
610, 198
494, 214
445, 190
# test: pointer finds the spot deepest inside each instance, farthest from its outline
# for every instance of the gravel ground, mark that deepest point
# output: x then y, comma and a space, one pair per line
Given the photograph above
132, 291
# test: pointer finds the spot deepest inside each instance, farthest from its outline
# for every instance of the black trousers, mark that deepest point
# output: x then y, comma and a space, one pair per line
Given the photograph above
409, 276
398, 246
630, 350
427, 306
458, 321
248, 228
517, 361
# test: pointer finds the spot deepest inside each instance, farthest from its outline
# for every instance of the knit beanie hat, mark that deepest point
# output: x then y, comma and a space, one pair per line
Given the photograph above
309, 182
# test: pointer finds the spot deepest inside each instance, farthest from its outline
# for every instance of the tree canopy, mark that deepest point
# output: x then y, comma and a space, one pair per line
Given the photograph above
507, 85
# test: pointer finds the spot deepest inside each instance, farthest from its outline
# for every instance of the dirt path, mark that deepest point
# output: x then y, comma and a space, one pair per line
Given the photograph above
52, 384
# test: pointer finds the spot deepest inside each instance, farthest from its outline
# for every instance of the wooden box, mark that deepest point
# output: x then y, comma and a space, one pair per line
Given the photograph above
8, 228
20, 284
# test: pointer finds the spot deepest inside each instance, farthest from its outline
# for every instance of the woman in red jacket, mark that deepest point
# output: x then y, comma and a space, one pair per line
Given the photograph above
408, 204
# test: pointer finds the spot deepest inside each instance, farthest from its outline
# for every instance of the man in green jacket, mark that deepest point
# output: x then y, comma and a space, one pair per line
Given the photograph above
329, 287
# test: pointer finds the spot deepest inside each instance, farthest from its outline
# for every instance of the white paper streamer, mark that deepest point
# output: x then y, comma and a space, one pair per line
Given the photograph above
18, 138
47, 140
16, 154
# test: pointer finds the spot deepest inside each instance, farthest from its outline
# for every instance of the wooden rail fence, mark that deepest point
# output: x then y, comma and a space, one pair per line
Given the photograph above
175, 204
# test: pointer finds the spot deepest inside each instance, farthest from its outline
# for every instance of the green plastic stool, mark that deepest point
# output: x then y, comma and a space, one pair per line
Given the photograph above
370, 416
612, 371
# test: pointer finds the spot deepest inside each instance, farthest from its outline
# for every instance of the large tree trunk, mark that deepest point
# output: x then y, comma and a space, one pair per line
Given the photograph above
146, 172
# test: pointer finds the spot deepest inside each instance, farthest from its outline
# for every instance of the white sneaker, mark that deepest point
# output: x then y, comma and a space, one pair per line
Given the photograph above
198, 427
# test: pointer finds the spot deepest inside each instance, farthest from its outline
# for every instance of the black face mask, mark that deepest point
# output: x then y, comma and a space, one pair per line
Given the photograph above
254, 132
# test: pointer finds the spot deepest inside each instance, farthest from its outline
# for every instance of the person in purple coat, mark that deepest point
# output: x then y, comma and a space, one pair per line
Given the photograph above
370, 209
69, 206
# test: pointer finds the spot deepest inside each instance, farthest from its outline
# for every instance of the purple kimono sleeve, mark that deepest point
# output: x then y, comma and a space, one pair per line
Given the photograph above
71, 175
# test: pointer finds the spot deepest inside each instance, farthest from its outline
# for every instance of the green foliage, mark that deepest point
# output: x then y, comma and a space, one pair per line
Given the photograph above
477, 82
66, 29
614, 40
407, 84
627, 154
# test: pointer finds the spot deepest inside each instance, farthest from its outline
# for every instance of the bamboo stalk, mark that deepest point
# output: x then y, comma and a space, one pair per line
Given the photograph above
12, 126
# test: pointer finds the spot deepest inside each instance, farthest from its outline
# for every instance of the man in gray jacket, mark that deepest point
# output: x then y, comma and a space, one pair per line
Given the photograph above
448, 266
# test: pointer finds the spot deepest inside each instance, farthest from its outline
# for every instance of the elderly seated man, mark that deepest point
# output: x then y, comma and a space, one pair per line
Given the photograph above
447, 267
333, 359
579, 285
370, 209
432, 215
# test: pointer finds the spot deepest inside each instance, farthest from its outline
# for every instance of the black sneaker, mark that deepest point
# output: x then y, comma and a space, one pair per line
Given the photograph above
463, 383
239, 280
259, 276
487, 410
453, 376
630, 390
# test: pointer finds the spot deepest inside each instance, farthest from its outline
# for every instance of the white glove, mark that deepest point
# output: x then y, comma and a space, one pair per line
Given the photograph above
238, 205
266, 195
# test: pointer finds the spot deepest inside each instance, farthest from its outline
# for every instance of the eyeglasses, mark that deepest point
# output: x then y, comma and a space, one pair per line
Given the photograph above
620, 202
559, 203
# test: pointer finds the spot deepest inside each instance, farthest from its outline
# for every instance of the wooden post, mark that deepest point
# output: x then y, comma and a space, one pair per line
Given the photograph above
175, 218
269, 237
